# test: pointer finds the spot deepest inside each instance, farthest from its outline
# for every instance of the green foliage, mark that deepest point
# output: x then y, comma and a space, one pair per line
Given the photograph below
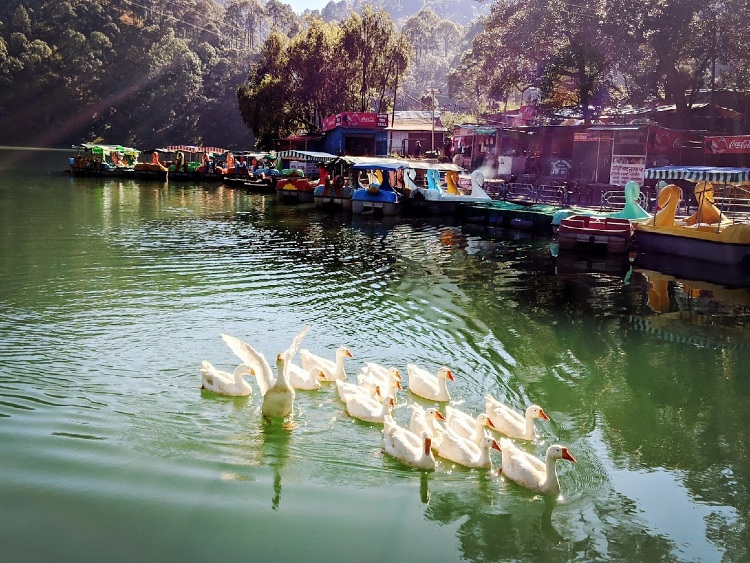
326, 68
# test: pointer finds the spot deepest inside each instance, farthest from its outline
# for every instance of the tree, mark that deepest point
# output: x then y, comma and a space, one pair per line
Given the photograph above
326, 68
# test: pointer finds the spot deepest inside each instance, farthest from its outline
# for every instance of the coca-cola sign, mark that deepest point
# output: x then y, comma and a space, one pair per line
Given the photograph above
353, 120
738, 144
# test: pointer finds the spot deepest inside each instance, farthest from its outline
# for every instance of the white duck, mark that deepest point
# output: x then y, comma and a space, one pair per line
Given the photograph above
423, 420
331, 371
466, 425
387, 379
427, 385
407, 447
531, 472
368, 409
512, 423
225, 383
278, 394
464, 452
347, 390
278, 402
300, 378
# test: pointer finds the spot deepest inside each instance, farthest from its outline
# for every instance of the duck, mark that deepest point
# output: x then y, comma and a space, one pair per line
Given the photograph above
264, 376
368, 409
467, 426
465, 452
347, 390
428, 386
423, 420
511, 423
278, 401
225, 383
331, 371
300, 378
531, 472
407, 447
389, 380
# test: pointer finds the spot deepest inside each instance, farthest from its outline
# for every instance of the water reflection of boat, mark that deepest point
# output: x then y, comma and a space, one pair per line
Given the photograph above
692, 312
694, 269
572, 262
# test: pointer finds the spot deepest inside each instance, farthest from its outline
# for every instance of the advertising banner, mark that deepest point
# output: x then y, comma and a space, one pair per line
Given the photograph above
737, 144
354, 120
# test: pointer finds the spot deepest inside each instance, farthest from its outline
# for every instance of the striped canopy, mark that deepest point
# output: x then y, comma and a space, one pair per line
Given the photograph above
307, 155
699, 174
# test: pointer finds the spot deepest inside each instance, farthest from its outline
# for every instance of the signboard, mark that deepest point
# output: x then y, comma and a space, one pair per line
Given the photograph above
627, 168
738, 144
354, 120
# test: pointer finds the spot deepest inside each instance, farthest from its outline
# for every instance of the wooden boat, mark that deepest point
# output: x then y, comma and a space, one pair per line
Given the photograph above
606, 233
191, 163
709, 234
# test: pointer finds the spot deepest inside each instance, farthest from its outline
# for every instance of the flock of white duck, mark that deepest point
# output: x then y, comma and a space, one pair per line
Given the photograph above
455, 436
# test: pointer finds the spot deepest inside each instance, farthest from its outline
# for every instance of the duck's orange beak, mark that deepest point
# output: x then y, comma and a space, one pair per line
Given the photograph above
490, 423
543, 415
566, 455
427, 445
439, 415
450, 376
496, 446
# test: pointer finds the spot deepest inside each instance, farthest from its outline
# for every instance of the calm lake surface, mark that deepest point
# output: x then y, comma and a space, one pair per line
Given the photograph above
113, 291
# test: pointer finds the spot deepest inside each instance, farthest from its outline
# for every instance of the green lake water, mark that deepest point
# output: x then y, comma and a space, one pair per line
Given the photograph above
112, 292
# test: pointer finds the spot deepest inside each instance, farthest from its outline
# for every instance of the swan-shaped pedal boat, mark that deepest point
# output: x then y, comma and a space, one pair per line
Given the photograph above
511, 423
225, 383
428, 386
330, 370
531, 472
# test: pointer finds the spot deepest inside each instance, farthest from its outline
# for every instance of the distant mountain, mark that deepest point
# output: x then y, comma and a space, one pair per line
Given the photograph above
459, 11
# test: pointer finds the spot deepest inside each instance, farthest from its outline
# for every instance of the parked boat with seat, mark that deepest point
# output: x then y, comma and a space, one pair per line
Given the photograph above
711, 234
376, 194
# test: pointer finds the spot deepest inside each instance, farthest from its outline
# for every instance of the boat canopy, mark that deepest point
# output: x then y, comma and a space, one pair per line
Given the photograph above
307, 155
441, 166
389, 164
700, 174
99, 149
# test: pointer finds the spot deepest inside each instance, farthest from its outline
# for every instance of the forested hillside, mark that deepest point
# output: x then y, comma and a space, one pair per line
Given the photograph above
149, 72
145, 73
132, 72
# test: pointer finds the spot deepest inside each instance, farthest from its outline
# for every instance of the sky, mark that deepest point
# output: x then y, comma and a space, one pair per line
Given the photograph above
301, 5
